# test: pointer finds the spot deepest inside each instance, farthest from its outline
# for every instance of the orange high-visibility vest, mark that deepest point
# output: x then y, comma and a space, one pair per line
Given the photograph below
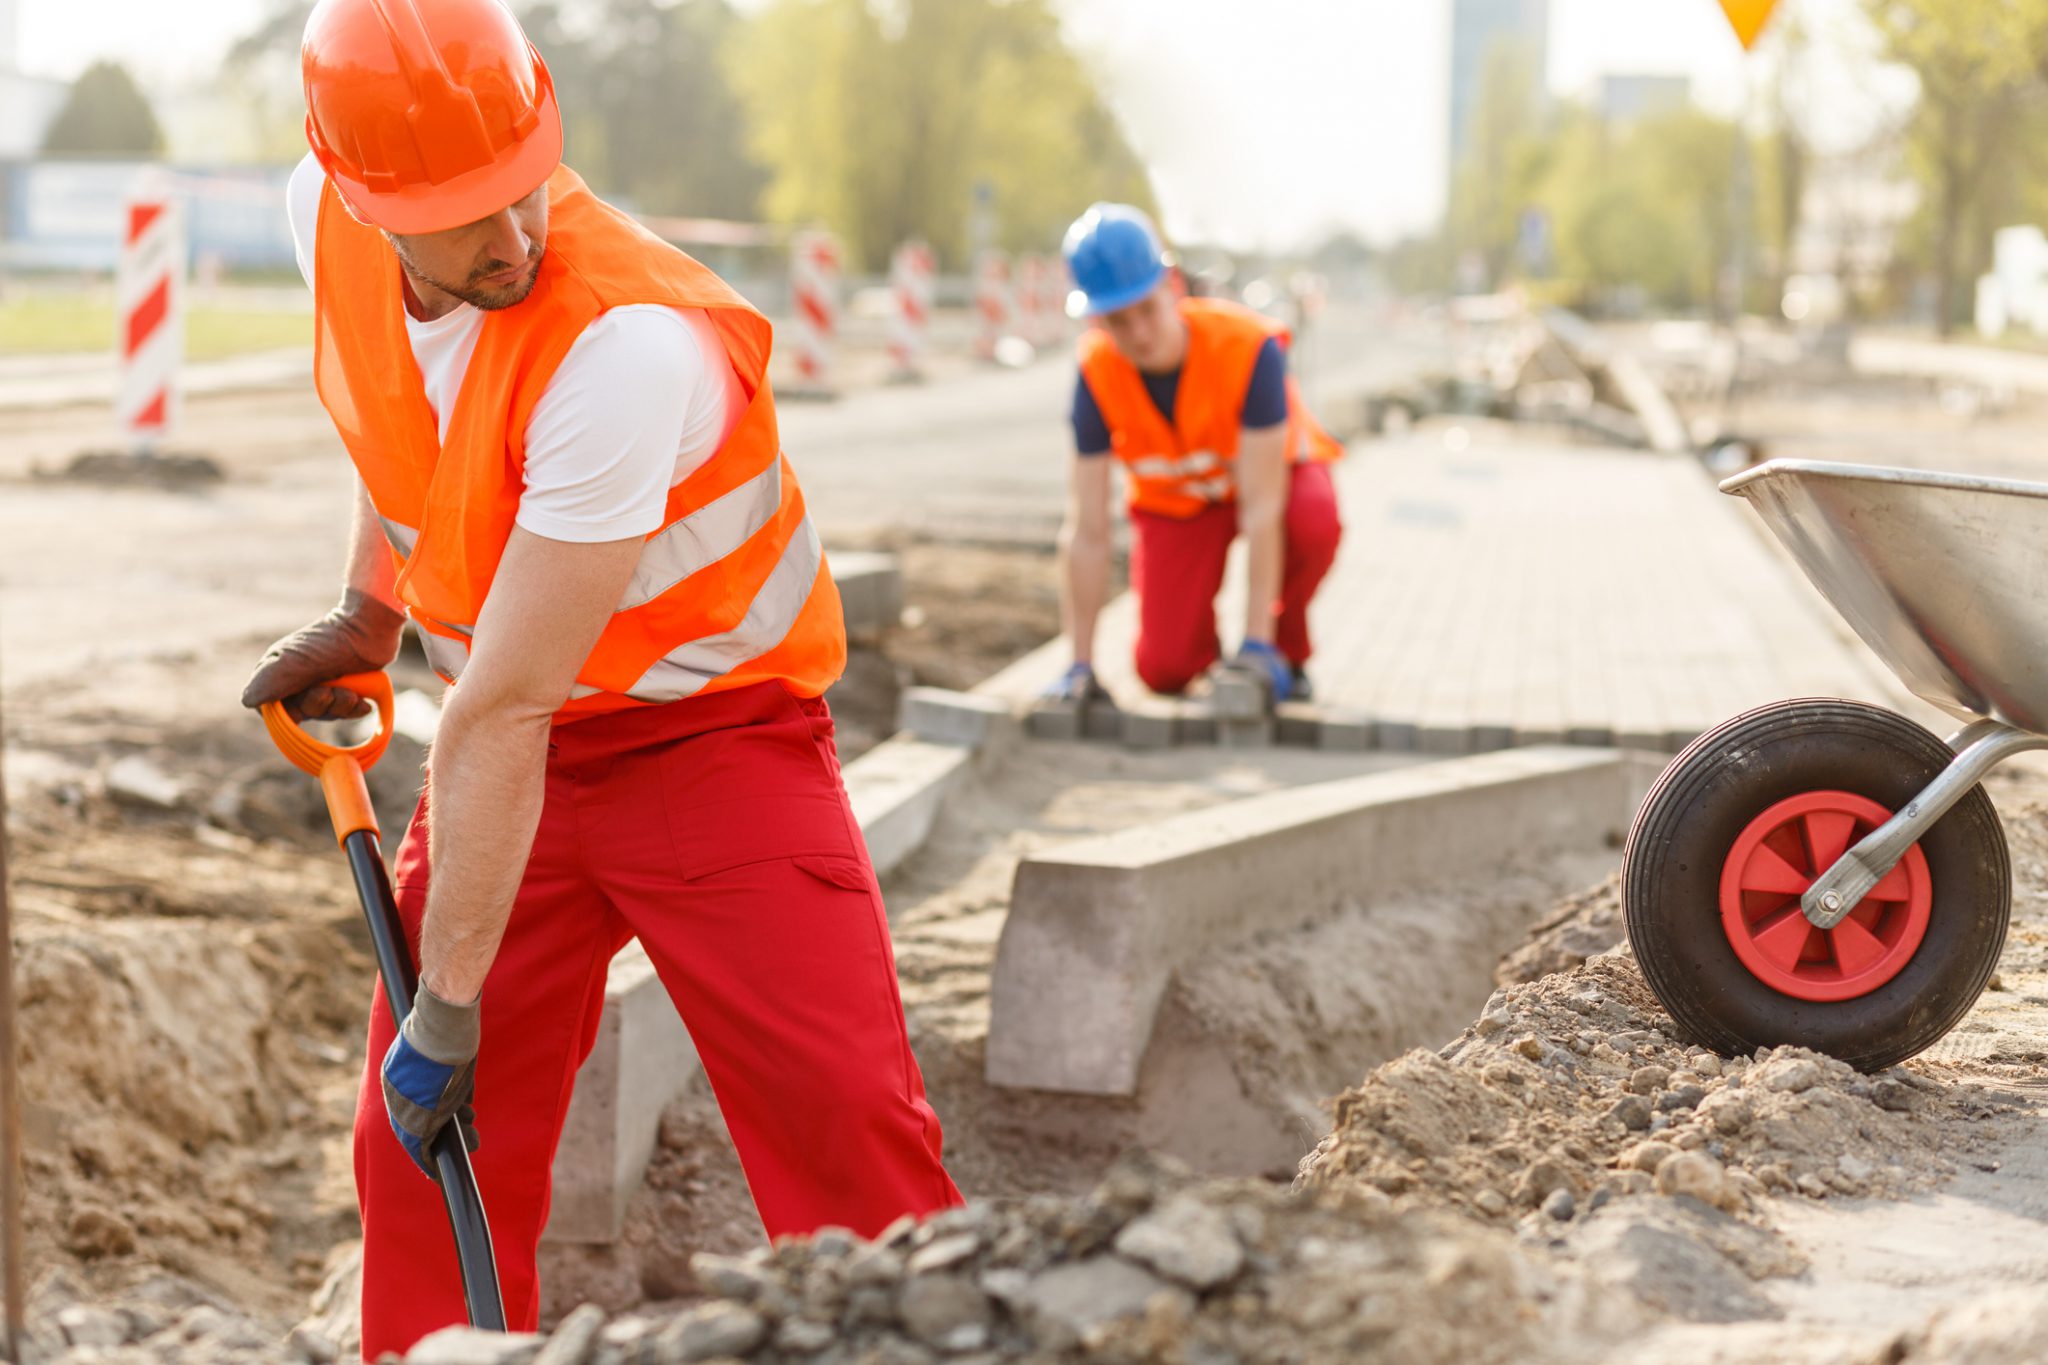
732, 589
1178, 468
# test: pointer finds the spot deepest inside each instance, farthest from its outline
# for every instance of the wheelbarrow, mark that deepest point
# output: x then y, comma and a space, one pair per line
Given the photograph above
340, 771
1829, 873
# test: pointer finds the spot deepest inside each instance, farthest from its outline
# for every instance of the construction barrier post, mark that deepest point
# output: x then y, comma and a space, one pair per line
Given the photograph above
1031, 299
1052, 306
149, 289
814, 292
993, 303
911, 271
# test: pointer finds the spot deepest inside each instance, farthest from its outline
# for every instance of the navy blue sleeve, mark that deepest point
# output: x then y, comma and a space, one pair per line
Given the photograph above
1265, 402
1091, 433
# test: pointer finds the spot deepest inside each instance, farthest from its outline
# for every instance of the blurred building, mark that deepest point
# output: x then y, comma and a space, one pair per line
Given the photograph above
1625, 98
1479, 28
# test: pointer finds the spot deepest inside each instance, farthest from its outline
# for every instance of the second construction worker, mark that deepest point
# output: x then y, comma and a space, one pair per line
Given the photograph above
1193, 399
570, 480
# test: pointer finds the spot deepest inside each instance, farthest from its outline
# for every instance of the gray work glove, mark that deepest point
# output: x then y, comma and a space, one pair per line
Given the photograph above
430, 1075
359, 636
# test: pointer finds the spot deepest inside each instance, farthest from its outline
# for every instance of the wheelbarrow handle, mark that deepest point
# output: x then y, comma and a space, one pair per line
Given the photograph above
340, 768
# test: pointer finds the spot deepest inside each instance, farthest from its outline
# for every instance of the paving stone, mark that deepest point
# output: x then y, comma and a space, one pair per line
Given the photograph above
1345, 732
1297, 724
1396, 736
1244, 734
1050, 719
1100, 720
942, 716
1152, 723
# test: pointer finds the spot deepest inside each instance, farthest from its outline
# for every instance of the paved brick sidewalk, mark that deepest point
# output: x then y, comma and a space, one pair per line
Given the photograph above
1497, 587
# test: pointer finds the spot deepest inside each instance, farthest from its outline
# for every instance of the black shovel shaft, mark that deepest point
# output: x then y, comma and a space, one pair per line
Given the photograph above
458, 1181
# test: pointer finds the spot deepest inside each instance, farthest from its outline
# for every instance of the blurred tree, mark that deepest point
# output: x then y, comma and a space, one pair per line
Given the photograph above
104, 115
1973, 135
261, 70
647, 110
881, 118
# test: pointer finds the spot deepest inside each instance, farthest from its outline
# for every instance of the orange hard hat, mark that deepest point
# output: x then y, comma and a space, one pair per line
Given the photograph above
427, 114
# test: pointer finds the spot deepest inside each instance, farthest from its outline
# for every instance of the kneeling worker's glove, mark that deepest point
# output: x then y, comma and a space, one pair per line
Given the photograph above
359, 636
1077, 684
1268, 664
429, 1074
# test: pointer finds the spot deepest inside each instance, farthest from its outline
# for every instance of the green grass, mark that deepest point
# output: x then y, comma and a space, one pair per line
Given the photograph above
45, 323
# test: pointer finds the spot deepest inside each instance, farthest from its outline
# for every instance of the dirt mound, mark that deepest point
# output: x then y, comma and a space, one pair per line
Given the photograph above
1583, 926
190, 1024
1569, 1090
1151, 1266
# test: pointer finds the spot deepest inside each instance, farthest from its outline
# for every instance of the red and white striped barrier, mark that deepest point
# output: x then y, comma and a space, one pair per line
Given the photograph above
994, 304
1032, 322
911, 272
814, 290
1052, 307
149, 288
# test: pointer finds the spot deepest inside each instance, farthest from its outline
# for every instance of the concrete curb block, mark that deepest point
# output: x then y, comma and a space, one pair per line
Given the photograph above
897, 788
1097, 928
643, 1058
870, 591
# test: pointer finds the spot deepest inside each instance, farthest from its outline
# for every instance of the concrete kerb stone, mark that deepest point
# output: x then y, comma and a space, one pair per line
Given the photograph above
897, 789
642, 1059
870, 591
942, 716
1097, 928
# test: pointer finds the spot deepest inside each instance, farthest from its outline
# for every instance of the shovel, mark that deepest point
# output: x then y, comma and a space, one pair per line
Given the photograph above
340, 771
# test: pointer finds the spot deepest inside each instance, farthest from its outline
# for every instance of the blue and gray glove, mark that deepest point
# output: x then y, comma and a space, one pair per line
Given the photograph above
1268, 664
429, 1075
1077, 684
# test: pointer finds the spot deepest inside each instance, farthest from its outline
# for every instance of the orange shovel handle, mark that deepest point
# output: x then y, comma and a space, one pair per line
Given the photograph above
340, 769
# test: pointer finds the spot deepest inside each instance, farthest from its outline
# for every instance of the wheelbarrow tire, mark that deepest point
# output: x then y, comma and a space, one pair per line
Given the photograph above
1713, 791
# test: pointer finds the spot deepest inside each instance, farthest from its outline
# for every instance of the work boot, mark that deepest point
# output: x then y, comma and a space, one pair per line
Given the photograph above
1300, 691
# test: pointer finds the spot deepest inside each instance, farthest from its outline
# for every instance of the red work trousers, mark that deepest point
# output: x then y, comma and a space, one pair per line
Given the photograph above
717, 830
1177, 570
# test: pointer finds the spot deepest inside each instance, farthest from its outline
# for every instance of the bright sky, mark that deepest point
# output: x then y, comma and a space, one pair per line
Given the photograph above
1265, 124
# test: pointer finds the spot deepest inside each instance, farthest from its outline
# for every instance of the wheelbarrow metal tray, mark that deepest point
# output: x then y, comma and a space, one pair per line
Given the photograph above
1945, 576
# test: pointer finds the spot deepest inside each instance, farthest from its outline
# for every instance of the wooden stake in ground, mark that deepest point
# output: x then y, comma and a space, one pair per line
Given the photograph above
10, 1108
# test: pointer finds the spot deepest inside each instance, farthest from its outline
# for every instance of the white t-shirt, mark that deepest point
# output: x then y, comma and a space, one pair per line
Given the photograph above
644, 397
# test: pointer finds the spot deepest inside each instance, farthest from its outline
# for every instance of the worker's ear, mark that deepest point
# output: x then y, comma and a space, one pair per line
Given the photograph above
1177, 281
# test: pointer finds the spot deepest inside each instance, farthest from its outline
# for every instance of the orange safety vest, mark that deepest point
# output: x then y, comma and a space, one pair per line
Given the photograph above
732, 589
1178, 468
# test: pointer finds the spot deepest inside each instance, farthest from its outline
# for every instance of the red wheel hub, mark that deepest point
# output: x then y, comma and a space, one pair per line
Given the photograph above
1781, 853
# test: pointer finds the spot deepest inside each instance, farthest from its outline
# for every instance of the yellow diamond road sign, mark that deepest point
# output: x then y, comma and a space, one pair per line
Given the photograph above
1747, 18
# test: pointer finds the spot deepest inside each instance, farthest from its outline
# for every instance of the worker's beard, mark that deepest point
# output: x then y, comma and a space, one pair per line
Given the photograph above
475, 291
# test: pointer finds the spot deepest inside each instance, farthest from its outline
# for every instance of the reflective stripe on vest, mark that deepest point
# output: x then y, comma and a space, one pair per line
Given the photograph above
1166, 467
705, 536
688, 668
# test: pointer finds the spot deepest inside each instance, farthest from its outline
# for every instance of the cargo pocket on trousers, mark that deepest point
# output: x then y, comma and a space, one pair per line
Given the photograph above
849, 874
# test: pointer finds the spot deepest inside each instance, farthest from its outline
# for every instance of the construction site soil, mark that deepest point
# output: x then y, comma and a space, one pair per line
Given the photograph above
1563, 1179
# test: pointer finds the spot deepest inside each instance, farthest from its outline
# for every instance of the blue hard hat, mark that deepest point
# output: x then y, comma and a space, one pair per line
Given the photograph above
1115, 256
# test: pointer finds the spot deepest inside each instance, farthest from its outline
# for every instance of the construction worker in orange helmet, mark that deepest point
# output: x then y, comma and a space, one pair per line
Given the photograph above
570, 482
1193, 400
